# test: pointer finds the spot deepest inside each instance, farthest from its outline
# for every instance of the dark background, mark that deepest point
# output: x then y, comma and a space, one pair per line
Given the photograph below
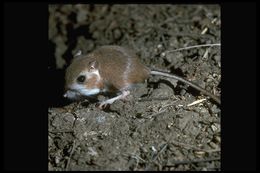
27, 88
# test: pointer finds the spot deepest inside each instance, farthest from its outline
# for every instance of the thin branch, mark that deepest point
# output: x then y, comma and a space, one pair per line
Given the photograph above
191, 47
72, 151
194, 147
162, 149
174, 163
196, 102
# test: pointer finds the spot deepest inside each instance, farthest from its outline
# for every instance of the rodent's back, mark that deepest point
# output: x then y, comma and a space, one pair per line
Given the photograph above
120, 67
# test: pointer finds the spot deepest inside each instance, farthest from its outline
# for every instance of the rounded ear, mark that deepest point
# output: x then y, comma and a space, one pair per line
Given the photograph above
93, 65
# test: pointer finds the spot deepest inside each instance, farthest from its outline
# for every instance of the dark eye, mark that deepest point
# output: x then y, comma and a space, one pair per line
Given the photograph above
81, 79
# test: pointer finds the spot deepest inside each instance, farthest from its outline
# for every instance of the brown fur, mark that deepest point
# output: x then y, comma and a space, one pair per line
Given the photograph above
119, 68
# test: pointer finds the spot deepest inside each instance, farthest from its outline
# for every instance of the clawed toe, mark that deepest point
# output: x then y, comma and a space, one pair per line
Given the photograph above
103, 105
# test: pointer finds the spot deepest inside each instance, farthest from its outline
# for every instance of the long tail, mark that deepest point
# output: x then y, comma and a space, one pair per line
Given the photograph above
203, 91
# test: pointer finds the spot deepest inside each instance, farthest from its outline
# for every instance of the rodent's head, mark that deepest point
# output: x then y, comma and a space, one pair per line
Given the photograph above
82, 78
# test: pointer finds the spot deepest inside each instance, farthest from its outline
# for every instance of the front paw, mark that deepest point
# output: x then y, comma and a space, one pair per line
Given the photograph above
102, 105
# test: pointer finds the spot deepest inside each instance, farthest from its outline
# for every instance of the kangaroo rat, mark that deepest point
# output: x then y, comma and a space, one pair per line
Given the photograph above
111, 69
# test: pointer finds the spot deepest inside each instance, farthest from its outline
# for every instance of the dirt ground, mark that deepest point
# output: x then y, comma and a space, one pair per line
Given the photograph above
155, 128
